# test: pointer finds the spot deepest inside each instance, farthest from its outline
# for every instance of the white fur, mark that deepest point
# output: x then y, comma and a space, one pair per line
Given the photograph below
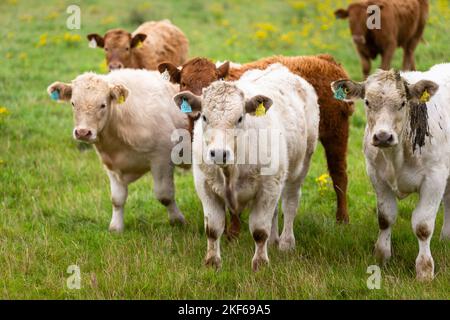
295, 113
397, 172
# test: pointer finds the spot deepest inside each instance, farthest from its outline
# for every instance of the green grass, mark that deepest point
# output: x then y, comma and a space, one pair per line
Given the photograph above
54, 199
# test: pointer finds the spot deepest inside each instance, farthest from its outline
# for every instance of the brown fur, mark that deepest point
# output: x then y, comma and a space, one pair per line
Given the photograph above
422, 231
402, 25
161, 41
319, 71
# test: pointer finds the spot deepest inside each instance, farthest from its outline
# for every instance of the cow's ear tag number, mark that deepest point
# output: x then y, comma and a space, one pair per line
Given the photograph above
341, 93
186, 107
260, 110
425, 97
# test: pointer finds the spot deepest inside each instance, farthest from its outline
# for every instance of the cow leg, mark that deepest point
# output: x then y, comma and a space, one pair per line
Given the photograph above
214, 212
387, 56
119, 194
423, 221
408, 59
336, 154
164, 190
445, 233
233, 231
260, 221
289, 203
366, 65
274, 237
387, 214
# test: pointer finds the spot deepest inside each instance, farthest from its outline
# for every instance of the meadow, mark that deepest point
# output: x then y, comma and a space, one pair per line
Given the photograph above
54, 195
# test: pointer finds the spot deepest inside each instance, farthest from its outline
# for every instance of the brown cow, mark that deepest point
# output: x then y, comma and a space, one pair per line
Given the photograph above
149, 45
319, 71
402, 24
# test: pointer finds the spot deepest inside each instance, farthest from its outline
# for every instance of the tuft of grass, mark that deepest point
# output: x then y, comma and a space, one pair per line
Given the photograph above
54, 195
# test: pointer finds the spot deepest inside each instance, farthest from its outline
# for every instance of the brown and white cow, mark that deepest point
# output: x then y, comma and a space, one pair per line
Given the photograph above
129, 116
148, 46
407, 150
319, 71
231, 132
402, 23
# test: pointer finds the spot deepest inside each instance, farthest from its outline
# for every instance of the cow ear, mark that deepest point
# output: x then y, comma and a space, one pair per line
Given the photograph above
96, 40
60, 91
253, 103
341, 13
348, 90
119, 93
422, 90
222, 71
188, 103
138, 39
174, 72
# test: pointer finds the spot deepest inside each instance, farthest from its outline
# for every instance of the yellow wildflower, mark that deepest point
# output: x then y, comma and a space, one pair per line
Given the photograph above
108, 20
103, 66
261, 34
23, 56
42, 40
288, 38
52, 15
4, 111
323, 181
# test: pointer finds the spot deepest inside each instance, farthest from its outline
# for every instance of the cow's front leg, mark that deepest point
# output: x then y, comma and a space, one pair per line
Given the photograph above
387, 214
423, 220
214, 215
119, 193
162, 172
260, 223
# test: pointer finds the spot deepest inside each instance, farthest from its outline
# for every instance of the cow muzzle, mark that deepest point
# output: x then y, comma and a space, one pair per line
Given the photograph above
384, 139
115, 65
85, 135
219, 156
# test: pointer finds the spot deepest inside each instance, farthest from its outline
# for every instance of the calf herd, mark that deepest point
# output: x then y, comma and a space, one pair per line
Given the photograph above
249, 131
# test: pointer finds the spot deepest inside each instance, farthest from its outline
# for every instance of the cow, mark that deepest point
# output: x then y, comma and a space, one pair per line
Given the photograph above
407, 150
229, 113
319, 71
149, 45
129, 116
402, 23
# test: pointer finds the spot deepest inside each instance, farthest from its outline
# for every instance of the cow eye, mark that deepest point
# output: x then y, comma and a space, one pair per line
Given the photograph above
128, 49
240, 119
103, 106
367, 103
73, 104
403, 105
204, 118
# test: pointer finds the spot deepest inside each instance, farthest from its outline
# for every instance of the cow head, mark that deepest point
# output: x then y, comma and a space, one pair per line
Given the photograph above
118, 45
92, 100
223, 109
393, 106
357, 17
195, 74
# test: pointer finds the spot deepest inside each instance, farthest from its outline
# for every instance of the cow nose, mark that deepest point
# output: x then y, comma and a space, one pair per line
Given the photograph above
83, 133
383, 138
220, 156
115, 66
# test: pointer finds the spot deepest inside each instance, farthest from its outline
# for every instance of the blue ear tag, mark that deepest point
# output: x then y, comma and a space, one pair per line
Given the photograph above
185, 107
54, 95
339, 94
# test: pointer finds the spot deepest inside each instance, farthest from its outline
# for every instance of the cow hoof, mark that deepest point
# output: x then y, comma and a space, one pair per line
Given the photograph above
214, 262
116, 227
286, 243
178, 220
424, 268
342, 219
257, 263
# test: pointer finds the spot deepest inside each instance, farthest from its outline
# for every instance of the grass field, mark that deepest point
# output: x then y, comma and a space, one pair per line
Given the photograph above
54, 199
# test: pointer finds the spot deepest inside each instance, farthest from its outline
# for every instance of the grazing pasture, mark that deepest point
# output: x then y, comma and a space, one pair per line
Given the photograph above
54, 194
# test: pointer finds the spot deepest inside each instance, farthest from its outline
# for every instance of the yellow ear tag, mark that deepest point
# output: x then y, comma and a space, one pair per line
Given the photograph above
260, 111
425, 97
139, 44
121, 100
